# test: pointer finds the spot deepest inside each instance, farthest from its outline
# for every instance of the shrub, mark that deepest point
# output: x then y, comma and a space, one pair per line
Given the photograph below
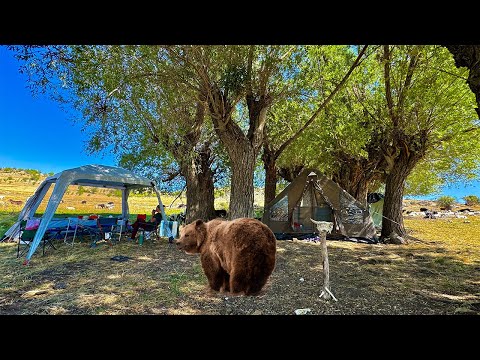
471, 200
446, 202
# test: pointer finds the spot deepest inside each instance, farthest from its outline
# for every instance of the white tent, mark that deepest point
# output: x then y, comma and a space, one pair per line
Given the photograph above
87, 175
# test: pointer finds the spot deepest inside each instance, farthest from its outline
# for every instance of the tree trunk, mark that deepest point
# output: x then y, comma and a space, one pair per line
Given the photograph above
200, 189
242, 149
394, 188
270, 175
392, 208
358, 188
409, 149
354, 179
242, 189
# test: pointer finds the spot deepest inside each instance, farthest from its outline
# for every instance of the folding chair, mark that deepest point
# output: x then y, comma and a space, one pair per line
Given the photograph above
119, 229
105, 227
28, 229
149, 230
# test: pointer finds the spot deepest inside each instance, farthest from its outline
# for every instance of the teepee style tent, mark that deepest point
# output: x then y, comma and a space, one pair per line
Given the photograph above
87, 175
311, 195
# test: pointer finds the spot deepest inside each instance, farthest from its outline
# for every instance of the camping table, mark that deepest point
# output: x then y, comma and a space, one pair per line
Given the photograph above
82, 224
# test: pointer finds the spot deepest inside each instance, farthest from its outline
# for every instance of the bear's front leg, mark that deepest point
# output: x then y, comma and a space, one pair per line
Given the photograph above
215, 274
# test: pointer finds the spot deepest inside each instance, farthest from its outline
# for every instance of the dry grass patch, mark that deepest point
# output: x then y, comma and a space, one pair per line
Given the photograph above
437, 275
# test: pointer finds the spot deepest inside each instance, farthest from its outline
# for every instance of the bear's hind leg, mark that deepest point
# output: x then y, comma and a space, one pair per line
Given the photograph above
226, 282
238, 282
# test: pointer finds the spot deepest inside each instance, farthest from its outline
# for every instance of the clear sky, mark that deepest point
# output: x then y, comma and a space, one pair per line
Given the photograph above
35, 133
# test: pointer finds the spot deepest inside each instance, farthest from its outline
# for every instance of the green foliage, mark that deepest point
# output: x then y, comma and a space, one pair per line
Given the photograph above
446, 201
6, 221
221, 205
81, 190
471, 200
116, 193
257, 212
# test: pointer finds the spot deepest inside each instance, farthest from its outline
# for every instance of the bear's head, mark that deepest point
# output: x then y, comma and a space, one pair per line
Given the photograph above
192, 237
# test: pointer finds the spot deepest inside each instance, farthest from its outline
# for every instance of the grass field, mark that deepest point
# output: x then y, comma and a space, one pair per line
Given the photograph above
437, 272
438, 275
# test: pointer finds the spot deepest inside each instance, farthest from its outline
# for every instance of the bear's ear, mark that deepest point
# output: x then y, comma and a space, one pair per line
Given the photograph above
198, 223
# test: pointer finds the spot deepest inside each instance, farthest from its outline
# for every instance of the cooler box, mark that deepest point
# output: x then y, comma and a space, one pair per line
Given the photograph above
173, 226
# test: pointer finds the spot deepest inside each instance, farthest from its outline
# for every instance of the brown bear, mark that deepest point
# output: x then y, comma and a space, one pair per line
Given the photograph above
237, 256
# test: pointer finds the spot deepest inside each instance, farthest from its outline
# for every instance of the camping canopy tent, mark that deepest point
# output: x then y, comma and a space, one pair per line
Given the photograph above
87, 175
311, 195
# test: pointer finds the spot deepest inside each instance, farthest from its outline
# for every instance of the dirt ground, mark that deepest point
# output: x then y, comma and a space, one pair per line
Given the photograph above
419, 278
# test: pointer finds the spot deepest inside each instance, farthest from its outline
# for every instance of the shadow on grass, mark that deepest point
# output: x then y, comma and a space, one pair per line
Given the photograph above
366, 279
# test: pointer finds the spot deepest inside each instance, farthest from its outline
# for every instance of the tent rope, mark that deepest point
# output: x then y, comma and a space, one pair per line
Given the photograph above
385, 217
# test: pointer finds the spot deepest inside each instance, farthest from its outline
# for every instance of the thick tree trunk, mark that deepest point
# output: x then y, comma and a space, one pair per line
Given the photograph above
270, 175
200, 189
408, 151
392, 208
242, 149
357, 187
241, 197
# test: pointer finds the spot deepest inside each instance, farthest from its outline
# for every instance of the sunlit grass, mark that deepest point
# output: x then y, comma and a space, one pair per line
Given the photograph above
460, 237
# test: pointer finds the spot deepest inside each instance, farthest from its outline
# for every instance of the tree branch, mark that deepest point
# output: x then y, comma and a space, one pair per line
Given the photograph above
388, 88
322, 106
408, 80
249, 70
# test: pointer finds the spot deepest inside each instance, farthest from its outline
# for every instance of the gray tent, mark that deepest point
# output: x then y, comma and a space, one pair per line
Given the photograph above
312, 195
87, 175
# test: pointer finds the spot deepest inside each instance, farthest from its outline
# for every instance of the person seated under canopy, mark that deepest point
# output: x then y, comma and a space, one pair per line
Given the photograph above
150, 225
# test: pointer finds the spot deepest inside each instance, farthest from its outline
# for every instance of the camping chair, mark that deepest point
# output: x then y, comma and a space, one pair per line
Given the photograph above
149, 230
119, 229
28, 229
105, 227
153, 234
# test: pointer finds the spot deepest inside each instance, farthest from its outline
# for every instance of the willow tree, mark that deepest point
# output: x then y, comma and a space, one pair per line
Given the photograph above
413, 108
325, 72
127, 101
427, 105
239, 84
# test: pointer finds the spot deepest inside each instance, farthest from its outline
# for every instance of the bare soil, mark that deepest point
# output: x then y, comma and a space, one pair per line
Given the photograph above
423, 277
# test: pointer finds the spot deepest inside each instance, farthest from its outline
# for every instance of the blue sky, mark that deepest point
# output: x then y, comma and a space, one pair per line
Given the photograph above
37, 134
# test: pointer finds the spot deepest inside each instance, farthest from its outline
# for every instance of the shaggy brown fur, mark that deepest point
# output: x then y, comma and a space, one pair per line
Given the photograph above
237, 256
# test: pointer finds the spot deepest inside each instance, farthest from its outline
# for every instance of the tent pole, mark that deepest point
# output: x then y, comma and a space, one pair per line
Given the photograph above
164, 217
